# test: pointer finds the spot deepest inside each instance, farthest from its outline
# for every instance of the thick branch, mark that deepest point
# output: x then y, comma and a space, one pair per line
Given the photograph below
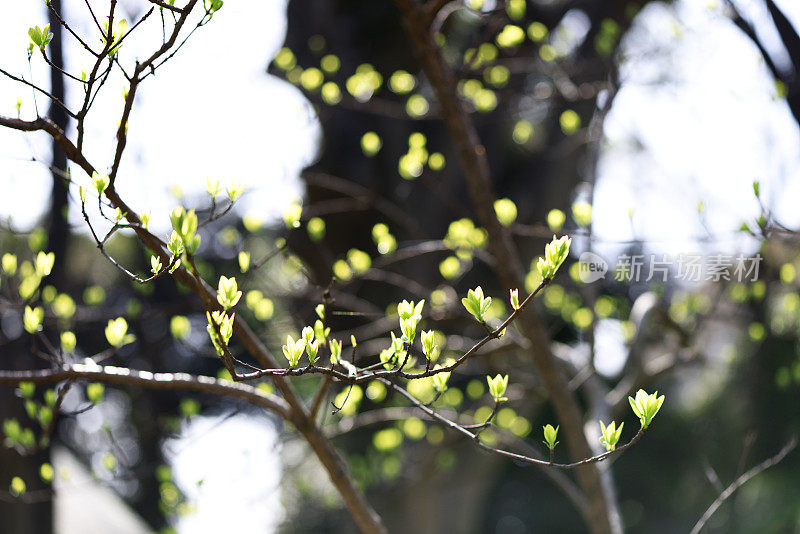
164, 381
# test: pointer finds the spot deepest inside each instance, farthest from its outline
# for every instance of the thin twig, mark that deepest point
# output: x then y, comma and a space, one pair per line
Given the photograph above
508, 454
35, 87
736, 484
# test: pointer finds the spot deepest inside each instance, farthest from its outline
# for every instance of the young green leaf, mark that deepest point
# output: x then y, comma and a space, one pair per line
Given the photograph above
550, 436
100, 182
293, 350
497, 387
212, 187
555, 253
646, 406
68, 341
336, 351
610, 435
180, 327
440, 381
311, 349
244, 261
95, 392
224, 323
9, 264
18, 487
155, 265
476, 304
429, 347
27, 389
320, 332
117, 332
227, 292
32, 319
44, 263
235, 191
40, 37
308, 334
175, 244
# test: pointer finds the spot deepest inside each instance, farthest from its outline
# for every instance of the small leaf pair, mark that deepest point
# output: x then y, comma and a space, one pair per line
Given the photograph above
610, 435
293, 350
550, 436
555, 253
646, 406
227, 292
497, 387
40, 37
117, 332
476, 303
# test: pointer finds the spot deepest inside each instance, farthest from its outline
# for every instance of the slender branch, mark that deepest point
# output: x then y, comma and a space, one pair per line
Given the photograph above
101, 246
55, 132
94, 17
124, 36
122, 131
48, 432
60, 70
739, 482
750, 32
363, 195
70, 30
398, 372
103, 54
165, 5
474, 436
397, 413
35, 87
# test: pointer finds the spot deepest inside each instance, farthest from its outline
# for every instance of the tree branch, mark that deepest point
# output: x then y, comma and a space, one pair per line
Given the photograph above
163, 381
739, 482
603, 514
501, 452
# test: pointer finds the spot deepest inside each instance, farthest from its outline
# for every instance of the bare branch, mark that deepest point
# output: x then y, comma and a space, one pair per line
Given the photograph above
164, 381
739, 482
35, 87
70, 30
165, 5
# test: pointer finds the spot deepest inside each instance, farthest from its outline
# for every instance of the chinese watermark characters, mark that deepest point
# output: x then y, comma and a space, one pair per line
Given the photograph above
662, 268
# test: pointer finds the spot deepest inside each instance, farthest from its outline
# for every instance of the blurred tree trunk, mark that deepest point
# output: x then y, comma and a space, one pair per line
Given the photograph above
34, 514
57, 218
